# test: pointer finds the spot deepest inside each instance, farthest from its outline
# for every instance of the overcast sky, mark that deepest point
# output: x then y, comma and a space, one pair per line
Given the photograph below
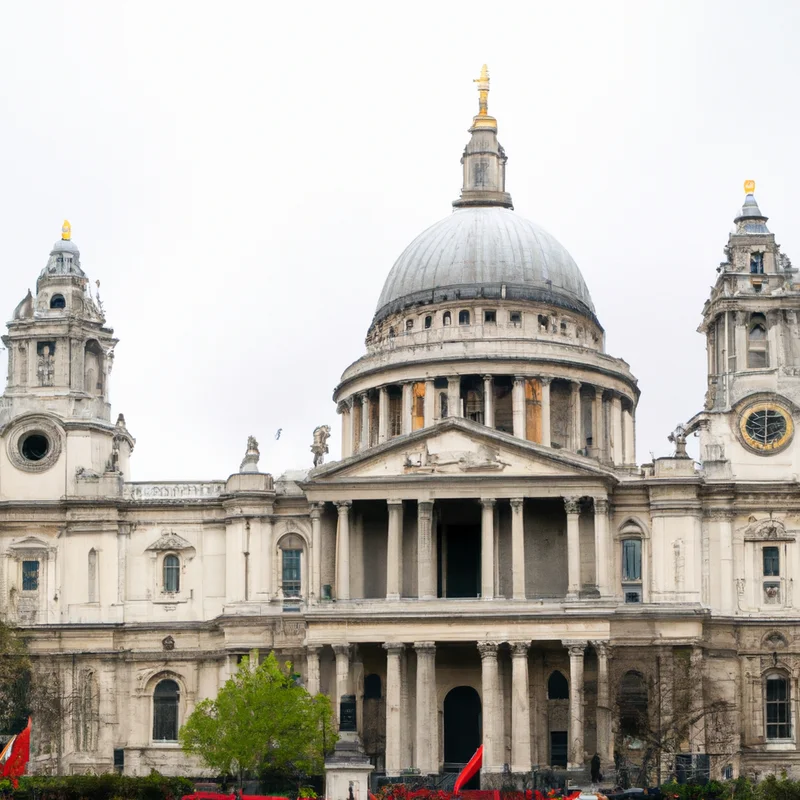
241, 177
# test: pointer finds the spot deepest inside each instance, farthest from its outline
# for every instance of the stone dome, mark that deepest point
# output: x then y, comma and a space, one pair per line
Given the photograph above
484, 251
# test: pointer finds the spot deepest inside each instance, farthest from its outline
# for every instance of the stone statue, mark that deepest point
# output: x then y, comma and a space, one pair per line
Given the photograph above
45, 369
250, 460
320, 446
678, 438
24, 308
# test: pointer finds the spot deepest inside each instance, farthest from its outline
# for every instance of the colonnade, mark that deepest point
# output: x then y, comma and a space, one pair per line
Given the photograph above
411, 405
425, 566
426, 746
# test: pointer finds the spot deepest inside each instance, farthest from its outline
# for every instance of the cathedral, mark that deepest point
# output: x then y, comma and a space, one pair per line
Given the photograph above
485, 564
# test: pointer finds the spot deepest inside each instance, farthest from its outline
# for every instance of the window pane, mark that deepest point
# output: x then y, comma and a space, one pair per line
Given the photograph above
30, 576
631, 560
165, 712
291, 573
172, 573
771, 561
778, 711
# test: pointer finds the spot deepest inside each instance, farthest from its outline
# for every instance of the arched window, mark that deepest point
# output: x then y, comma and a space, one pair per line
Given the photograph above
463, 317
757, 355
446, 318
58, 301
172, 573
632, 560
632, 702
557, 687
372, 687
165, 711
391, 333
777, 707
428, 321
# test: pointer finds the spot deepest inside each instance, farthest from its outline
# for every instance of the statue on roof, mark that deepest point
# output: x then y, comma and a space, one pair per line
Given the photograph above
320, 446
250, 460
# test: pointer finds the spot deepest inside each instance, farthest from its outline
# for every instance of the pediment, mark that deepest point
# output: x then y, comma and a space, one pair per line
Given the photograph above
459, 447
29, 544
169, 540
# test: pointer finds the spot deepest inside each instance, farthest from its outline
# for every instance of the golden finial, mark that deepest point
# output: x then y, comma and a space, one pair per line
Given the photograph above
483, 92
749, 187
66, 231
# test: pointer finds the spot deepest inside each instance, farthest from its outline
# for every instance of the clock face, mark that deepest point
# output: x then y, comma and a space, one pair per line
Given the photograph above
766, 427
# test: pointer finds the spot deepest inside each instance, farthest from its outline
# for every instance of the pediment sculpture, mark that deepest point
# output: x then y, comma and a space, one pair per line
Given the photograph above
169, 540
767, 530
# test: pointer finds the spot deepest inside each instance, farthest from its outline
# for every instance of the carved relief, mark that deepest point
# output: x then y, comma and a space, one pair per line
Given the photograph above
767, 530
486, 459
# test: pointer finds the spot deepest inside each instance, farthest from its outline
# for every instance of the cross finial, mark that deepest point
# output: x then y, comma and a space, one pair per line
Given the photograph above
483, 92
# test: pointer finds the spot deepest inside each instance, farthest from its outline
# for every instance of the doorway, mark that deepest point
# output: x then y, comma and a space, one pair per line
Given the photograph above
459, 560
462, 729
558, 748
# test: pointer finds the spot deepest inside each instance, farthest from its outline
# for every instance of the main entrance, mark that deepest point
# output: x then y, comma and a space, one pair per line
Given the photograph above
462, 729
459, 549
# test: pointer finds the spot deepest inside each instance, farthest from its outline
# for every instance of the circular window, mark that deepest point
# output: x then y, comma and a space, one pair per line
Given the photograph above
766, 427
34, 447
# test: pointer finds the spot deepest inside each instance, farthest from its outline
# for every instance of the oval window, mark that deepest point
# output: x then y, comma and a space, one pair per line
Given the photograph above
34, 447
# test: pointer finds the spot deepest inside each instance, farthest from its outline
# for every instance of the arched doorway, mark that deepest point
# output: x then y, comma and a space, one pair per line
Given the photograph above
462, 729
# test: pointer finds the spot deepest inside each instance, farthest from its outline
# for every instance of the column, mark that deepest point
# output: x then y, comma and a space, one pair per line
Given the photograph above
343, 551
364, 400
312, 670
571, 504
394, 550
347, 433
487, 549
316, 551
518, 548
697, 733
430, 403
394, 720
520, 709
383, 414
342, 653
546, 410
616, 429
426, 585
518, 406
406, 404
576, 755
268, 585
577, 426
601, 546
605, 743
427, 738
488, 401
598, 419
454, 396
492, 713
628, 435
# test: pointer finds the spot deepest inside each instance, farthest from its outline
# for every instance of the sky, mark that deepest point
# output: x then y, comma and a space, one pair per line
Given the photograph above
241, 176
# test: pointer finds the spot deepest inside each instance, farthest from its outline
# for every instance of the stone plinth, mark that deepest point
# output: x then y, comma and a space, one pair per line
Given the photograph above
348, 768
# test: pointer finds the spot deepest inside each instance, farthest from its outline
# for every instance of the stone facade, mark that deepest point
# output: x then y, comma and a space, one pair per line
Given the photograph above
486, 562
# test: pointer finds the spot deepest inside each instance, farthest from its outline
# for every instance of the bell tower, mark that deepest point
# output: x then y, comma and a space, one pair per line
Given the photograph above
60, 354
753, 344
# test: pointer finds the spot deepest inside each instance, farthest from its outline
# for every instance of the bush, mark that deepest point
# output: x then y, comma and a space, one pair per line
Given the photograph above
99, 787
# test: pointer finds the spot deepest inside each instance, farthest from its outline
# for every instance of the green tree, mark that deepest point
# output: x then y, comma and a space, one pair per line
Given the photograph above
262, 721
15, 680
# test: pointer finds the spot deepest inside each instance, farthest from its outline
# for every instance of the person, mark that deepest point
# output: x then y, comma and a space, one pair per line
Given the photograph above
595, 769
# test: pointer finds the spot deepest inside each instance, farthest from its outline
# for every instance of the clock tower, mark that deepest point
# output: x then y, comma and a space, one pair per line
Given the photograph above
753, 343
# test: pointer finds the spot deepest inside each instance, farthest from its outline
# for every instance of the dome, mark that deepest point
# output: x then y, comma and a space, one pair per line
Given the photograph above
485, 251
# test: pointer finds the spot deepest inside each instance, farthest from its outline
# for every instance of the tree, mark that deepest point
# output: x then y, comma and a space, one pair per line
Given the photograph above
262, 721
15, 679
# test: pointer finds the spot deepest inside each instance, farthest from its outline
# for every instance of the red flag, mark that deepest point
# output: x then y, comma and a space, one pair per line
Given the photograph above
20, 754
473, 765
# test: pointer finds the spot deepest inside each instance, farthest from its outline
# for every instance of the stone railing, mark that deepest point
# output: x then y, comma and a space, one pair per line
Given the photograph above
173, 491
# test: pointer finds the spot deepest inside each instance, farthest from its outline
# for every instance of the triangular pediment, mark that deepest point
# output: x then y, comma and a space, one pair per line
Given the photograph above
459, 447
169, 540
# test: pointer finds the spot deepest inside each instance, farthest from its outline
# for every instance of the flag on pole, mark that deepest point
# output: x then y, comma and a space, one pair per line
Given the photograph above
19, 752
470, 770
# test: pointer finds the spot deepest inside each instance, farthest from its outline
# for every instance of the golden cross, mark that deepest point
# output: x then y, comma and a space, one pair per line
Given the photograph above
483, 92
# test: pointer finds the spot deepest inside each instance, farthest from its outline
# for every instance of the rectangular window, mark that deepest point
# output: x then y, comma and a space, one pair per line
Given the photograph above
515, 317
395, 413
772, 561
632, 560
779, 721
490, 317
30, 576
291, 573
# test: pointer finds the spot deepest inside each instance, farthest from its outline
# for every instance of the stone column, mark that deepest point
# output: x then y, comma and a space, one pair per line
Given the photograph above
605, 741
342, 653
492, 713
427, 739
394, 720
628, 436
454, 396
364, 400
488, 401
316, 550
426, 584
383, 414
312, 670
518, 548
429, 408
518, 406
520, 709
347, 431
597, 422
601, 546
616, 429
571, 504
546, 410
487, 549
394, 550
577, 426
343, 551
406, 406
576, 755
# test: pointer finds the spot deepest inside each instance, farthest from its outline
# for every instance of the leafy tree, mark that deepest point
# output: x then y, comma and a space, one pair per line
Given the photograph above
262, 721
15, 679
